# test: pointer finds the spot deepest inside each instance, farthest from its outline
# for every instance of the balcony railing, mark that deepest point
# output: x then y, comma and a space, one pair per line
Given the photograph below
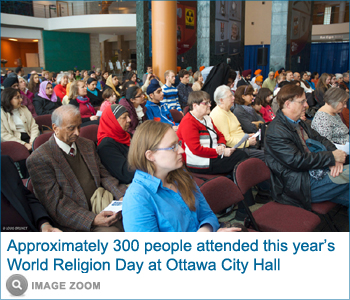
56, 9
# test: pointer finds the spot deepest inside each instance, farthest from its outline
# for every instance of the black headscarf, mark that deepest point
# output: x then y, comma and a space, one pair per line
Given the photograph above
10, 81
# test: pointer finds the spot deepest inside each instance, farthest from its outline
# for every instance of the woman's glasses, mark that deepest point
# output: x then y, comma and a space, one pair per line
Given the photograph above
174, 147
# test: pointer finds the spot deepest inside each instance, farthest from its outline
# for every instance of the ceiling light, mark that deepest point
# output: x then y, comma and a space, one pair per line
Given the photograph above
13, 40
35, 40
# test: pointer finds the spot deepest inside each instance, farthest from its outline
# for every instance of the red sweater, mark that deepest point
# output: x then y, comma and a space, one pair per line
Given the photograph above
194, 136
60, 91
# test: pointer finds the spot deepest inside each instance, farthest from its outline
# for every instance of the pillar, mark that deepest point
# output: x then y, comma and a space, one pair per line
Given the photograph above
142, 37
164, 44
95, 51
123, 50
203, 33
278, 44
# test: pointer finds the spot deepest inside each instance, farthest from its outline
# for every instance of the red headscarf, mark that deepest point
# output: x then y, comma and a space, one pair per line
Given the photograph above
109, 127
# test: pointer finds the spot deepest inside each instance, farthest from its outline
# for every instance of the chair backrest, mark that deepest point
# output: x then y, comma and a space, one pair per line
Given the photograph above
41, 139
249, 173
177, 116
44, 122
186, 109
15, 150
221, 193
89, 132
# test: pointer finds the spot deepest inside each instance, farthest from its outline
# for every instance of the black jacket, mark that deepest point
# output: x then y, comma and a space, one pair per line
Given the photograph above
44, 106
95, 100
114, 156
22, 200
290, 164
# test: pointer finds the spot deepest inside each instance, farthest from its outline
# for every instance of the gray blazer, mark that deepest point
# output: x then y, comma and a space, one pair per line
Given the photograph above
246, 119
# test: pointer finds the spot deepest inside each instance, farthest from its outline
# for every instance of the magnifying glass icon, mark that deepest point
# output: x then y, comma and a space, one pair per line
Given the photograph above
16, 284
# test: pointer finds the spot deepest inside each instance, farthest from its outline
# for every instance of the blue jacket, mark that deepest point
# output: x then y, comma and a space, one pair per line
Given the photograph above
159, 113
150, 207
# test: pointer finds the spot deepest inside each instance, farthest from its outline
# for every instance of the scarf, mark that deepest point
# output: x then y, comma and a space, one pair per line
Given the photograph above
109, 127
93, 92
86, 101
111, 85
248, 109
42, 92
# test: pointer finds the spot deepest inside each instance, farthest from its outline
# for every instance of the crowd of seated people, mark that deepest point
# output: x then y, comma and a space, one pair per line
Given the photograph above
148, 155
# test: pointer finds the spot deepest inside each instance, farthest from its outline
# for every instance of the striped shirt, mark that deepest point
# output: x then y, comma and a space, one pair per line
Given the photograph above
171, 97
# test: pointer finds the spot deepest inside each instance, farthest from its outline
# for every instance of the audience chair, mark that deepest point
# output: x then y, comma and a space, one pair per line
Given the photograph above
272, 216
323, 209
177, 116
44, 122
89, 132
229, 193
186, 109
206, 177
41, 139
16, 151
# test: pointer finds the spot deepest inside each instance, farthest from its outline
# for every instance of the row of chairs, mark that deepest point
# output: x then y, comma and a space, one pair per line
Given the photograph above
272, 216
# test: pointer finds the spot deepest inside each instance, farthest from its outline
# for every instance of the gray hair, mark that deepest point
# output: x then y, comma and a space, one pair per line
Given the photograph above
334, 96
346, 74
220, 93
64, 111
60, 77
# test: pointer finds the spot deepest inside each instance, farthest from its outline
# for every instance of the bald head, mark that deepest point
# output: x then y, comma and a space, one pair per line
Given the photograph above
64, 113
296, 76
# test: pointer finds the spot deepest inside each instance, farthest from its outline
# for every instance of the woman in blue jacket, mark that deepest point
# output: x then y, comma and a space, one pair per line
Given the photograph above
162, 196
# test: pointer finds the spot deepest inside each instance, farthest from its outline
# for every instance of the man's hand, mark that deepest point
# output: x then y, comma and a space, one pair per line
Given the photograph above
93, 118
339, 155
252, 141
337, 169
106, 218
46, 227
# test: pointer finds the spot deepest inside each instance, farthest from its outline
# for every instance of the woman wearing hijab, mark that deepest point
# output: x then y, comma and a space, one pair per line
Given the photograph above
112, 82
46, 101
114, 142
134, 102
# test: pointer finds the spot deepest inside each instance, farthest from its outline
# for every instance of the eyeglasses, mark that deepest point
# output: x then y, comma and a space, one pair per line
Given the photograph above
300, 102
139, 96
174, 147
17, 97
206, 103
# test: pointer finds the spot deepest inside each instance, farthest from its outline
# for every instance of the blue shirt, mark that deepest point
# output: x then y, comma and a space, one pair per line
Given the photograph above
171, 97
150, 207
159, 113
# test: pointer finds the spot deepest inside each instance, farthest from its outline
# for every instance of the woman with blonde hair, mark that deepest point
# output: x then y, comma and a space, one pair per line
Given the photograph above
198, 84
163, 196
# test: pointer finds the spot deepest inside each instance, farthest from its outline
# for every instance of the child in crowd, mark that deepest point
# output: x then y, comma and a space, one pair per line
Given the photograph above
109, 98
265, 96
256, 104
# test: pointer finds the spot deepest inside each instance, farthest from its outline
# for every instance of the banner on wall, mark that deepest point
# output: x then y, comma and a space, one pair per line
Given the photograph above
228, 27
301, 26
186, 27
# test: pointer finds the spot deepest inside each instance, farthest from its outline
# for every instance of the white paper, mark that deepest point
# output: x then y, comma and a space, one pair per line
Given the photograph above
244, 138
99, 113
256, 133
115, 206
345, 147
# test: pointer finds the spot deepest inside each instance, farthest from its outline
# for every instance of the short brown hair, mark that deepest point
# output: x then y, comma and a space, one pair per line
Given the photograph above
243, 90
197, 97
288, 92
183, 72
107, 93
